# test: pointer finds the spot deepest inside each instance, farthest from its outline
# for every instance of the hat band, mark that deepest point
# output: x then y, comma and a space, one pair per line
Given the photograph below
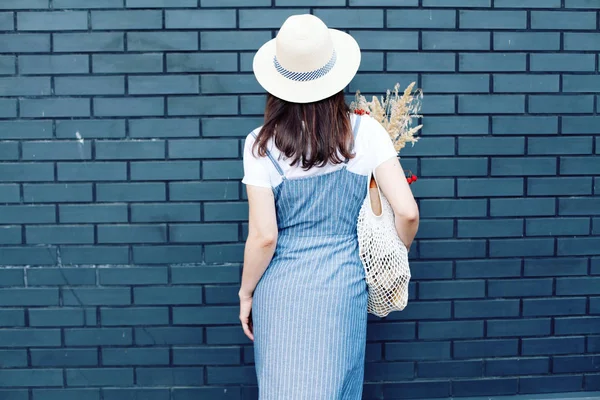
306, 76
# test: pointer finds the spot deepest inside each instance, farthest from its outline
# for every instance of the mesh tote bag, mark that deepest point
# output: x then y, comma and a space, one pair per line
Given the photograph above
383, 254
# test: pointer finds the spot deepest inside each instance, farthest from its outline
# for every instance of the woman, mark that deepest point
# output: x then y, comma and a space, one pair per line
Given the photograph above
303, 297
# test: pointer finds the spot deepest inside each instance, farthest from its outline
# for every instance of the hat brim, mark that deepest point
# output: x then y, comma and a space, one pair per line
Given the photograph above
344, 70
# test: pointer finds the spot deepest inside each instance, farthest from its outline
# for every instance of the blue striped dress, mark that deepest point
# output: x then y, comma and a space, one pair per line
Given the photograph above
310, 306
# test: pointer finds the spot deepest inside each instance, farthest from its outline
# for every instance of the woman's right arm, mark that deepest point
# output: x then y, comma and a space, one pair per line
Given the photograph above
392, 181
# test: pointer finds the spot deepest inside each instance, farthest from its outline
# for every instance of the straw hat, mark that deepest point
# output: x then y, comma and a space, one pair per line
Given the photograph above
307, 61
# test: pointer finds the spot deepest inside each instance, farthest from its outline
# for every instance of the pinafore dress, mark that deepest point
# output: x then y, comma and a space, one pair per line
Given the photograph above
310, 307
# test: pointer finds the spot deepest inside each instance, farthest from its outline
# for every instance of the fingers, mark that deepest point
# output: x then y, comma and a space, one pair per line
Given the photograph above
248, 330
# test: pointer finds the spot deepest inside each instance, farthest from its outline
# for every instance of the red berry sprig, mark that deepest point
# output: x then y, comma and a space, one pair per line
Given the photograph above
411, 178
361, 112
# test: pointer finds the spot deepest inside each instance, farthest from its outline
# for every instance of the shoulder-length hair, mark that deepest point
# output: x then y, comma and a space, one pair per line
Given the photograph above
311, 134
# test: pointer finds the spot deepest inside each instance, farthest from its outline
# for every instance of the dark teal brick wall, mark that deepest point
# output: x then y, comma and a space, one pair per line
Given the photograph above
123, 218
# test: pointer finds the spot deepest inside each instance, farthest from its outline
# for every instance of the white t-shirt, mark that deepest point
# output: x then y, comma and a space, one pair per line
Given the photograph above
373, 146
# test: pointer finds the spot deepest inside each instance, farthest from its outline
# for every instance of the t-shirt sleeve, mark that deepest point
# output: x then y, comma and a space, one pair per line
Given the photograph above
381, 147
255, 173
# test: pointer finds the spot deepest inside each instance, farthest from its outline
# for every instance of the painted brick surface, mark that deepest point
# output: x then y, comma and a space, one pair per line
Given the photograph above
123, 216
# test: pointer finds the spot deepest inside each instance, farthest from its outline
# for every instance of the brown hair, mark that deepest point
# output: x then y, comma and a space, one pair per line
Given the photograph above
310, 134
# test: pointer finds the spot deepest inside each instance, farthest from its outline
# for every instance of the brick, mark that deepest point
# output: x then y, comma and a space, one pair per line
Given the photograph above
522, 166
168, 295
482, 187
450, 330
252, 105
131, 192
74, 4
45, 255
528, 125
568, 104
557, 226
93, 213
520, 41
92, 171
127, 63
554, 307
53, 64
453, 369
522, 207
389, 371
559, 186
348, 18
577, 325
214, 84
578, 206
57, 317
64, 357
55, 107
202, 105
440, 146
559, 20
486, 309
189, 191
48, 150
117, 107
26, 172
421, 19
20, 214
546, 384
312, 2
491, 146
200, 19
9, 193
527, 4
488, 62
165, 170
519, 287
456, 40
134, 316
525, 83
31, 377
136, 393
440, 104
135, 356
8, 65
518, 327
485, 348
555, 267
132, 234
202, 148
11, 359
99, 377
94, 254
457, 3
517, 366
25, 43
25, 130
96, 296
90, 129
417, 351
11, 318
162, 41
370, 3
210, 355
132, 276
92, 85
157, 127
60, 276
160, 3
582, 41
9, 150
436, 188
30, 338
382, 40
205, 275
233, 40
57, 394
553, 345
453, 289
436, 229
578, 286
24, 86
203, 233
134, 149
213, 62
161, 212
88, 42
227, 126
98, 336
578, 246
167, 254
59, 193
488, 268
454, 166
156, 84
171, 376
416, 62
581, 84
118, 20
470, 19
564, 145
262, 19
231, 335
572, 364
10, 235
580, 4
490, 228
221, 295
219, 170
52, 21
563, 63
391, 331
23, 4
446, 208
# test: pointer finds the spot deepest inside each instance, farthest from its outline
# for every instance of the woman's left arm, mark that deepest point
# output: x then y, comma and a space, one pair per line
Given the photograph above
260, 247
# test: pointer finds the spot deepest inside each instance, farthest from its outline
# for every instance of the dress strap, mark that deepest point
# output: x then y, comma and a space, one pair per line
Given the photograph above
275, 163
355, 130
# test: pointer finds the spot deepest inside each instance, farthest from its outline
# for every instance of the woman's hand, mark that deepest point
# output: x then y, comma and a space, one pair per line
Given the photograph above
246, 315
